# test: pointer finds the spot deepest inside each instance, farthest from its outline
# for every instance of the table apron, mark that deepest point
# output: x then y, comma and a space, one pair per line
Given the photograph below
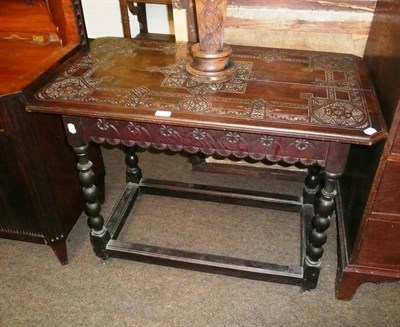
223, 143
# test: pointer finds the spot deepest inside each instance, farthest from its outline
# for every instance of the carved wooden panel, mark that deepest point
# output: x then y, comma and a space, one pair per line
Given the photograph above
208, 142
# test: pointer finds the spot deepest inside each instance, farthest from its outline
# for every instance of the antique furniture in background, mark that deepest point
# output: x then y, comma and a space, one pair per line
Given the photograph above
342, 26
369, 228
335, 26
40, 197
137, 8
280, 105
182, 11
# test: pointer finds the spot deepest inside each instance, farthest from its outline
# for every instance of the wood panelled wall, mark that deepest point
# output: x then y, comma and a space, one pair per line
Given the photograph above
331, 25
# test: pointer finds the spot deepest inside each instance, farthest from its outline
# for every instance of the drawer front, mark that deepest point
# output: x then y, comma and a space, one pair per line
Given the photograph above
381, 243
388, 194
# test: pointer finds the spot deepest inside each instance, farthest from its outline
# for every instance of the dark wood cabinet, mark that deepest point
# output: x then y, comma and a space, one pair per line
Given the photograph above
40, 196
369, 227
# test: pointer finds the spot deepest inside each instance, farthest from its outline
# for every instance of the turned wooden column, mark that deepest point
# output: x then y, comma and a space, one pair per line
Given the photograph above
211, 58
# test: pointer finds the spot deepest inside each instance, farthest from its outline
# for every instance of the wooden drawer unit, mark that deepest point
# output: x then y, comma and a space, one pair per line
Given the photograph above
376, 248
386, 201
369, 224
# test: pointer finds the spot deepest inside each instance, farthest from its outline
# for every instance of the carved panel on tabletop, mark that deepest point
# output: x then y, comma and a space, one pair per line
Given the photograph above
125, 47
177, 76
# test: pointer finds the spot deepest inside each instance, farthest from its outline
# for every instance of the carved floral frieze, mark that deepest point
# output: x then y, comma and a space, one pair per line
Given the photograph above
207, 141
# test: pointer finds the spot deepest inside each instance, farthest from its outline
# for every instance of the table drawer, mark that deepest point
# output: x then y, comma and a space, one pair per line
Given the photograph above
381, 243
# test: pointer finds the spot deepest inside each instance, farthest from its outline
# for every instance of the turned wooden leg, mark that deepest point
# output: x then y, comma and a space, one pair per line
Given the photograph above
99, 236
311, 186
133, 172
324, 207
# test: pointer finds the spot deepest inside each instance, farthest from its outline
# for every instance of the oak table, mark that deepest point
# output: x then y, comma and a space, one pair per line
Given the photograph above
279, 106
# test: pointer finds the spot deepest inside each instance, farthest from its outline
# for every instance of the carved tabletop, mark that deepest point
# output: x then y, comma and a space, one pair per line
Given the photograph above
313, 95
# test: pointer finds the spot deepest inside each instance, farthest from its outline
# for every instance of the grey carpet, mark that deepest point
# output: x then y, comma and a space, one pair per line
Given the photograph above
35, 290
